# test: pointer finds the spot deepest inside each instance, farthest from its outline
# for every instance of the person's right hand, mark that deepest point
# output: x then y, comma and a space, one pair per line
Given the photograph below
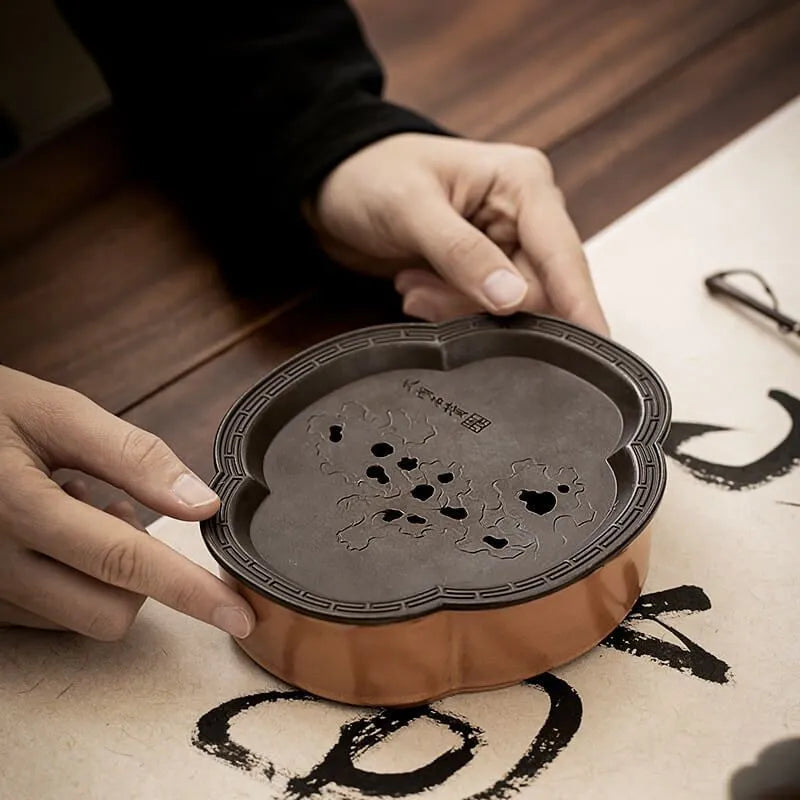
463, 226
66, 564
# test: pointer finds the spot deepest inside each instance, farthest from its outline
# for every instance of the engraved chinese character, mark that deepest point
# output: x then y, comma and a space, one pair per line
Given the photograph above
476, 423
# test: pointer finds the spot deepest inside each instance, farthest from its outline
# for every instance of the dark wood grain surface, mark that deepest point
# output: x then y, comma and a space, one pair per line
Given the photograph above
119, 299
614, 164
105, 287
59, 179
536, 72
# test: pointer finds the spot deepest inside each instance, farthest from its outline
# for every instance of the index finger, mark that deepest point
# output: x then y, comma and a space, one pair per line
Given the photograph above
112, 551
553, 246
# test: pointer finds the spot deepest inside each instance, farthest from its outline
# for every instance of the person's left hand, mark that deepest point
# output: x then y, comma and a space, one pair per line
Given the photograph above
488, 218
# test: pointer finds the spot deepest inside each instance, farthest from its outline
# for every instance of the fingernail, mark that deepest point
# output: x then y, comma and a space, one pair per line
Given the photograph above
191, 491
232, 620
503, 289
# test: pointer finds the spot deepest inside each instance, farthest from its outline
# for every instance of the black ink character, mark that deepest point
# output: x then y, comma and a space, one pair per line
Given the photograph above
337, 768
778, 462
691, 658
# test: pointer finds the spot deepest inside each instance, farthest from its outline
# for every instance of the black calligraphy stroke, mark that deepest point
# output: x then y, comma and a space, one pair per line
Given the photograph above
778, 462
562, 723
212, 735
357, 737
212, 732
691, 658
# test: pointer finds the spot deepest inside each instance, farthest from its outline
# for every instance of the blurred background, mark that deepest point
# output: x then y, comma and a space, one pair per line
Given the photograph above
47, 82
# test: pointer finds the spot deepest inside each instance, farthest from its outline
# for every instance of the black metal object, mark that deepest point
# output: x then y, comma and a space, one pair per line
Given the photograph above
718, 285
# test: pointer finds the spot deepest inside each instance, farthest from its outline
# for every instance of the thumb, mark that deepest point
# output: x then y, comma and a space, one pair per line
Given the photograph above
80, 434
465, 257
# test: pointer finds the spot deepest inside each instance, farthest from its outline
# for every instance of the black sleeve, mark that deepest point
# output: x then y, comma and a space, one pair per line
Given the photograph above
252, 101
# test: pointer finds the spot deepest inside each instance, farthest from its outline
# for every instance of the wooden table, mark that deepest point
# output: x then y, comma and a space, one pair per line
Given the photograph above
107, 290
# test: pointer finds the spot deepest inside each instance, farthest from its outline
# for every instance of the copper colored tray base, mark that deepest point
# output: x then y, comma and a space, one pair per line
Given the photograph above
470, 650
418, 510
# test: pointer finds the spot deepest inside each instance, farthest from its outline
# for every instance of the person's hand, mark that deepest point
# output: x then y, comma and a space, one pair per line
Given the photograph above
66, 564
487, 218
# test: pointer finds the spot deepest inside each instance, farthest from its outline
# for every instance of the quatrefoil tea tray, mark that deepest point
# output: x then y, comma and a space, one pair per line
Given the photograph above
417, 510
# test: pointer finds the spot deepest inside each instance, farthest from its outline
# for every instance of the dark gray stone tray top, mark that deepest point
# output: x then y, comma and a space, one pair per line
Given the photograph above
402, 469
